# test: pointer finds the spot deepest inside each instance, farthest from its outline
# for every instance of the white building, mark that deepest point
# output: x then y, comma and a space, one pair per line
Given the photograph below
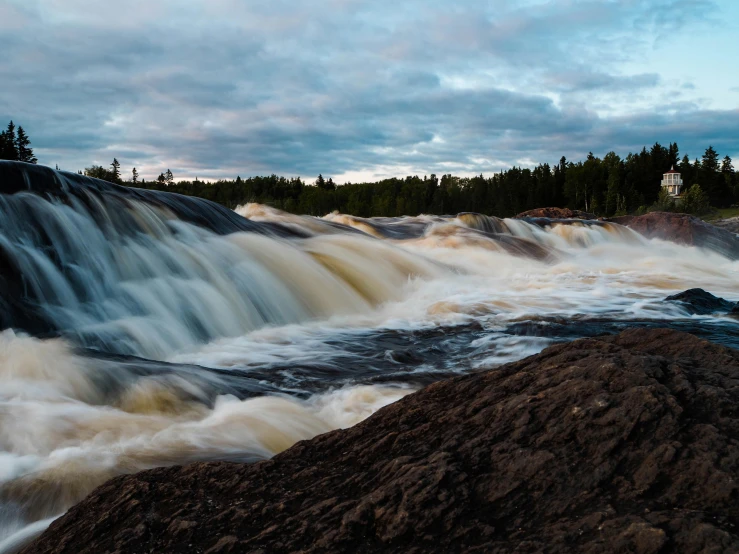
672, 181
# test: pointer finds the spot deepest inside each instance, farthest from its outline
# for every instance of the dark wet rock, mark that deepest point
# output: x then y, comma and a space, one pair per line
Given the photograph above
701, 302
683, 229
556, 213
19, 177
619, 444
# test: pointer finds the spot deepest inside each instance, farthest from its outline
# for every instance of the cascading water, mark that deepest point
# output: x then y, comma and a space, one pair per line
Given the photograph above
134, 279
145, 329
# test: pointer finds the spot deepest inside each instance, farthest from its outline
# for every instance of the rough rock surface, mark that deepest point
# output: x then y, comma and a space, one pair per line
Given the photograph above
625, 443
556, 213
683, 229
699, 301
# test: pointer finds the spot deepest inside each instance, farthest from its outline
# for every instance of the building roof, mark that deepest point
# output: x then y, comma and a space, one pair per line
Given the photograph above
672, 170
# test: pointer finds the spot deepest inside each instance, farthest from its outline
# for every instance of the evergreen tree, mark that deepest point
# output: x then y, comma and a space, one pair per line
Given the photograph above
23, 147
134, 176
613, 200
168, 177
3, 146
9, 143
116, 170
673, 154
730, 180
713, 183
709, 161
686, 171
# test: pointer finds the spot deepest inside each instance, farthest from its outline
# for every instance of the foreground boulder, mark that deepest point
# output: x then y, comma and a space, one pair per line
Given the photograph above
620, 444
683, 229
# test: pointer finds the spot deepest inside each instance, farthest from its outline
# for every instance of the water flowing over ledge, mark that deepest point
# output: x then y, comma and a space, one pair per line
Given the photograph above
146, 329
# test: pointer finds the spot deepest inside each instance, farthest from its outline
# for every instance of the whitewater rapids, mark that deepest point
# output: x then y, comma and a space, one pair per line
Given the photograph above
136, 335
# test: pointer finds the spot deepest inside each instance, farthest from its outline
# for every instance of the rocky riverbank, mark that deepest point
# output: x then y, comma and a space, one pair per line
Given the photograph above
624, 443
684, 229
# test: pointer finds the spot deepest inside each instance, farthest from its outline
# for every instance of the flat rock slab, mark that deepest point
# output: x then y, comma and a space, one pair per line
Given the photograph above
627, 443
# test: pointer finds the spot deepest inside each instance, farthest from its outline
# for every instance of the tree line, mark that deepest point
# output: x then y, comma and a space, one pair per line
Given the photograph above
606, 186
15, 145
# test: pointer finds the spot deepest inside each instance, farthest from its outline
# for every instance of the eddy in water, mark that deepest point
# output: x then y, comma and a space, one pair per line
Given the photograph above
142, 329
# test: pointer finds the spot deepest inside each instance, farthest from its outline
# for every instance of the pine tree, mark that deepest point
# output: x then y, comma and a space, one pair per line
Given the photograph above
713, 183
134, 176
169, 178
116, 170
8, 143
673, 154
730, 181
726, 165
23, 147
710, 160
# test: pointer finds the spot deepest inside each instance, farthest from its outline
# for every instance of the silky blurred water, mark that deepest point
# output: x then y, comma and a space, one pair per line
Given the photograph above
166, 342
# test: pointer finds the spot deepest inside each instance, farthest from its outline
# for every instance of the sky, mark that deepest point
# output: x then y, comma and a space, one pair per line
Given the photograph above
365, 89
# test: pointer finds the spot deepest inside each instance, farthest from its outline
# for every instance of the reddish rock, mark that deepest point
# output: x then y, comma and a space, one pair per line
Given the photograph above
683, 229
624, 444
556, 213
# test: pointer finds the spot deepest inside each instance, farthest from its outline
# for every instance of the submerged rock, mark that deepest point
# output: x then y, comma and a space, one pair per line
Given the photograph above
618, 444
700, 302
683, 229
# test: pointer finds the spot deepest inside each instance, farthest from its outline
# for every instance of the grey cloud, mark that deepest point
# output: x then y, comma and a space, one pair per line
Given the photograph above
224, 87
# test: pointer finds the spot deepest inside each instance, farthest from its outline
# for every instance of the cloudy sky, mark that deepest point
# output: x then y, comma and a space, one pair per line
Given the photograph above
359, 89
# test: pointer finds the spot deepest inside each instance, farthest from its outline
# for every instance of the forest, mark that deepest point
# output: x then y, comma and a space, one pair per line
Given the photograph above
612, 185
